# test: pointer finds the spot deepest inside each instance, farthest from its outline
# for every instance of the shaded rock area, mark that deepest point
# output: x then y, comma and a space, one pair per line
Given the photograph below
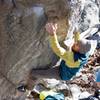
24, 42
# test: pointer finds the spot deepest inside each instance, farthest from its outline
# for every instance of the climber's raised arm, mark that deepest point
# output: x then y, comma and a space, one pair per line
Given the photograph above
52, 29
76, 35
67, 56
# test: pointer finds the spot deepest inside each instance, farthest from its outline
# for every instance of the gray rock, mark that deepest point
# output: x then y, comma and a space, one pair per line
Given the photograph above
23, 41
89, 15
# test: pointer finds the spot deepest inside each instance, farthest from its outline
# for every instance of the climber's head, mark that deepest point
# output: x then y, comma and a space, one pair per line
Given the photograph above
82, 46
75, 47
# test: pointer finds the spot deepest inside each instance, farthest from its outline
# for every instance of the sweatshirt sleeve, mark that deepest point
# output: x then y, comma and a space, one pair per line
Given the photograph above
67, 56
76, 36
56, 46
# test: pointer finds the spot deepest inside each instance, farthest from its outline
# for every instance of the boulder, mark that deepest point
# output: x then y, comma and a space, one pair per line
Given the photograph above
24, 42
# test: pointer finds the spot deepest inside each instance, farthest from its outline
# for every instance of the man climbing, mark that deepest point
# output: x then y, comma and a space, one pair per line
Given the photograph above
72, 59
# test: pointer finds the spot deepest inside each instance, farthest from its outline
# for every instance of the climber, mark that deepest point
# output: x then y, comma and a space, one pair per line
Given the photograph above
72, 59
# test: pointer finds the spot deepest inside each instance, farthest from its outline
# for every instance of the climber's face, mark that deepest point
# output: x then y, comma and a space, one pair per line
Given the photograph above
75, 47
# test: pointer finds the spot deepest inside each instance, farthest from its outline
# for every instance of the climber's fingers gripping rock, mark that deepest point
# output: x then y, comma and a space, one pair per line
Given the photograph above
51, 28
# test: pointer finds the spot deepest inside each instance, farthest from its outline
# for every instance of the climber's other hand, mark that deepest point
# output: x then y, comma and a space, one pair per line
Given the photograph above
51, 28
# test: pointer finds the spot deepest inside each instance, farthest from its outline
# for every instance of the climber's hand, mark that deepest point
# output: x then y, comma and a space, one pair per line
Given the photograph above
51, 28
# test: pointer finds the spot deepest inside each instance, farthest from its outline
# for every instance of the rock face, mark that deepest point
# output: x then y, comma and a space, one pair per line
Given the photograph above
23, 40
90, 15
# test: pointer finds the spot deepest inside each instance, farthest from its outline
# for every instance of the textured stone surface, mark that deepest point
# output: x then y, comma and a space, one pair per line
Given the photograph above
23, 41
90, 15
